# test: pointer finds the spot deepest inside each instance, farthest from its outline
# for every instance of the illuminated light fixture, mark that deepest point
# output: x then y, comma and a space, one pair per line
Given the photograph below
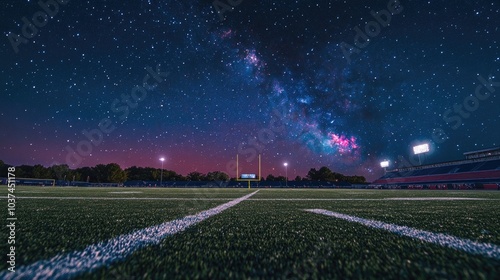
162, 159
420, 149
286, 173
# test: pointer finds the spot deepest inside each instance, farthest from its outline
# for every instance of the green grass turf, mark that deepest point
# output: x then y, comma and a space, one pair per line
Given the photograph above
258, 239
371, 194
265, 238
475, 220
27, 191
47, 227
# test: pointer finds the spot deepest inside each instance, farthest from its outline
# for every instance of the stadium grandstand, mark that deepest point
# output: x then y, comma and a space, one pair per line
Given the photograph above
479, 170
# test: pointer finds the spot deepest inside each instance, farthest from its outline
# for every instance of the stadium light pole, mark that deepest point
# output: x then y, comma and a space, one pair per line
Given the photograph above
421, 149
384, 164
162, 159
286, 173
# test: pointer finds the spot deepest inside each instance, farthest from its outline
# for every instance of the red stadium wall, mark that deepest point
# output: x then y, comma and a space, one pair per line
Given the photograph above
490, 187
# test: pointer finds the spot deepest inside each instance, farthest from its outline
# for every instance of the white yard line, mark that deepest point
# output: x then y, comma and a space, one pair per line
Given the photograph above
104, 253
462, 244
126, 192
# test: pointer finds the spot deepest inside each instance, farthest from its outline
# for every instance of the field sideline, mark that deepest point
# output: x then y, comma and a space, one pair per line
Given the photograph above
222, 233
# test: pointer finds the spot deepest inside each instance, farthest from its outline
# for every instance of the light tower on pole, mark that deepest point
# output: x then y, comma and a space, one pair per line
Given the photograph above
420, 149
286, 173
384, 164
162, 159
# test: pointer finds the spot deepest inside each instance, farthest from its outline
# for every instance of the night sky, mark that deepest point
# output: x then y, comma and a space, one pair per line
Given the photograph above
292, 80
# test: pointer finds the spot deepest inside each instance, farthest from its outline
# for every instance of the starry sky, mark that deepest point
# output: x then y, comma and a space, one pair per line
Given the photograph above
342, 84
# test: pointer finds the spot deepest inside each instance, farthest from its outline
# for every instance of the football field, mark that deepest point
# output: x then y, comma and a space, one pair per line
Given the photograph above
205, 233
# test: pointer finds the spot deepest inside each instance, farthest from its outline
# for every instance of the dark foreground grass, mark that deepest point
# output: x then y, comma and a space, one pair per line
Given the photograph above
476, 220
47, 227
263, 238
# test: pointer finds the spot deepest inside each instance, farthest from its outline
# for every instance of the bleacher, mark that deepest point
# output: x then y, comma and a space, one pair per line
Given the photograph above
484, 171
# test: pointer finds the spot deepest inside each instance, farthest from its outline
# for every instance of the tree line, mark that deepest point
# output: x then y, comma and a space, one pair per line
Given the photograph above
113, 173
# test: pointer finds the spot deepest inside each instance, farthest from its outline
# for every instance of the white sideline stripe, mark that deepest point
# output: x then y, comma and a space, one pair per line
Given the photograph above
436, 198
462, 244
118, 198
372, 199
68, 265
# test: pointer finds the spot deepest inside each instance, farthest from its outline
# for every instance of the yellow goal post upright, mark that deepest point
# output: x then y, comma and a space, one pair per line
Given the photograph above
247, 178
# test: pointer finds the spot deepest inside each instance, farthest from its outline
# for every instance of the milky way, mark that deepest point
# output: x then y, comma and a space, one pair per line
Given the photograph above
282, 64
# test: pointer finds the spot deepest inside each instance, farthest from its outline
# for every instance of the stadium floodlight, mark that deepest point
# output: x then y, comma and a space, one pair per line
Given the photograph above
162, 159
384, 164
420, 149
286, 173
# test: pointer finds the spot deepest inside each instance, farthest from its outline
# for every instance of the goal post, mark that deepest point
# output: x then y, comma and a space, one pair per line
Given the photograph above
248, 177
